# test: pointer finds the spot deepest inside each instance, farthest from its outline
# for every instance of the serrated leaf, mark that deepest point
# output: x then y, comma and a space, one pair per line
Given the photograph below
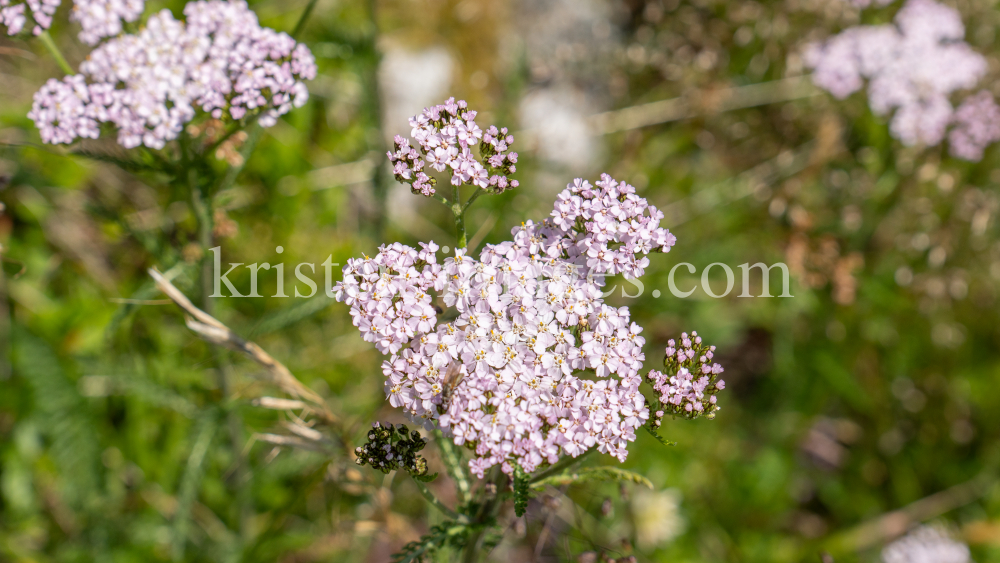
522, 491
424, 478
591, 474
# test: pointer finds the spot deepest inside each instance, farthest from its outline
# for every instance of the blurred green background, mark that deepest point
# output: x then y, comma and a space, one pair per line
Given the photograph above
865, 403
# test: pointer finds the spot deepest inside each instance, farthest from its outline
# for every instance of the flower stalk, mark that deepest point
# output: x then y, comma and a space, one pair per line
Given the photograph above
53, 50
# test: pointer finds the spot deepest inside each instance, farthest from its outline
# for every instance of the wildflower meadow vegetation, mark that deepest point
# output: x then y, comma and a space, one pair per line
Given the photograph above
526, 280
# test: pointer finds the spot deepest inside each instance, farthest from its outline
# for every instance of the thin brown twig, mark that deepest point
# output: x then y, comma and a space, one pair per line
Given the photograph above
213, 331
279, 404
898, 522
290, 441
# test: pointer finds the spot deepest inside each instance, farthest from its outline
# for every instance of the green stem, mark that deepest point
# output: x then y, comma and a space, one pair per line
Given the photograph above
487, 510
453, 463
437, 503
442, 199
55, 52
301, 24
560, 465
4, 323
369, 59
202, 202
460, 225
473, 198
203, 212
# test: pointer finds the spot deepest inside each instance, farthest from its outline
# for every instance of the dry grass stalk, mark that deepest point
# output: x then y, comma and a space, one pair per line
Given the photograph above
213, 331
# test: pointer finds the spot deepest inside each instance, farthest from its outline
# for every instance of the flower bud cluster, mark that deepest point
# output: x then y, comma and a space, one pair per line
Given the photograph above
445, 135
506, 376
690, 381
393, 447
151, 84
912, 68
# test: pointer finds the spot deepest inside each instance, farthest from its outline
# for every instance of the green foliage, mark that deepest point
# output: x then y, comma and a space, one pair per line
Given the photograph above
288, 316
424, 478
445, 534
65, 418
204, 432
124, 162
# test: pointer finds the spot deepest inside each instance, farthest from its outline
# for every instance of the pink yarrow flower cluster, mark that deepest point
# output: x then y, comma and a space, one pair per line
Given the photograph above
690, 382
97, 18
444, 137
912, 68
612, 227
504, 377
151, 84
976, 126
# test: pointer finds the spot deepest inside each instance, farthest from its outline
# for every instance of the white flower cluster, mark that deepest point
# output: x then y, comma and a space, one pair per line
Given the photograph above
504, 376
445, 135
912, 67
151, 84
926, 544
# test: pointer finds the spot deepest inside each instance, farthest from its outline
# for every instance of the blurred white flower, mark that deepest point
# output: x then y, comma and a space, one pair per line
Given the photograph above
411, 81
657, 517
926, 544
558, 119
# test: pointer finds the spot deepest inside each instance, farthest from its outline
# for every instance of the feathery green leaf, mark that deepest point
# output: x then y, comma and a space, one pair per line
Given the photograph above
64, 416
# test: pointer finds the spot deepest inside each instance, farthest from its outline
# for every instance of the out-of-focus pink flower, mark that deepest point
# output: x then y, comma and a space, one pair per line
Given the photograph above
912, 68
98, 18
976, 125
149, 85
